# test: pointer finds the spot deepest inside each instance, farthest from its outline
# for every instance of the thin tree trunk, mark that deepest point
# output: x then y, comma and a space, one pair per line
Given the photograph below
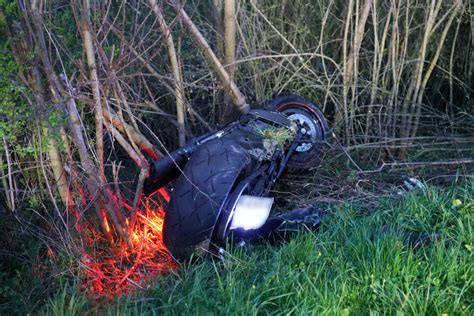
144, 168
178, 79
217, 20
104, 199
58, 170
358, 37
410, 103
230, 35
343, 116
432, 65
53, 152
5, 185
353, 63
162, 79
87, 38
34, 81
379, 48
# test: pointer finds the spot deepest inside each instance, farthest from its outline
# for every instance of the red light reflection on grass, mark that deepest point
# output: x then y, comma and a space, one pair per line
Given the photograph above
111, 271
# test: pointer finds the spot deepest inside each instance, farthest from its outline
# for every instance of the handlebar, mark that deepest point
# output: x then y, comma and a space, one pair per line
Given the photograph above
167, 168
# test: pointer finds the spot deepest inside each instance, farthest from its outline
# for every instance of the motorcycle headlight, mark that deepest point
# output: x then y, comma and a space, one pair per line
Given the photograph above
251, 212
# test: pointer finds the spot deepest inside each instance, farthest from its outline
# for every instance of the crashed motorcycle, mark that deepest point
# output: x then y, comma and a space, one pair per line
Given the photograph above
221, 182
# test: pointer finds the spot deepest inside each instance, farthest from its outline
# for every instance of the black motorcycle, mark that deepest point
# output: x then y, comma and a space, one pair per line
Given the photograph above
224, 177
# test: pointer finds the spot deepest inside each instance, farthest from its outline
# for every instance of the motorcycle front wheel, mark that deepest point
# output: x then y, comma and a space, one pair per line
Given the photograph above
200, 194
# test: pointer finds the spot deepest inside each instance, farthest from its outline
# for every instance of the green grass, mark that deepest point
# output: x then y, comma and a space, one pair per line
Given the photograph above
281, 135
340, 269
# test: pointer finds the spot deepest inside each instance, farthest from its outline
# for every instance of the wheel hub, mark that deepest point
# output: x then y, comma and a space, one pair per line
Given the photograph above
307, 129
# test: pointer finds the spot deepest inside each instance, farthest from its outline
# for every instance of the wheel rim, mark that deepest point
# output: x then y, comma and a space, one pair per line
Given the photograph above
308, 128
307, 155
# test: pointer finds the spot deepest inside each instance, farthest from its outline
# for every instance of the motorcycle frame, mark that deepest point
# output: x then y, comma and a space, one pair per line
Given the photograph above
169, 167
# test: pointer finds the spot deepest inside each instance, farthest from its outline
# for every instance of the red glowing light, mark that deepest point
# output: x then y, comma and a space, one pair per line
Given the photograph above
114, 271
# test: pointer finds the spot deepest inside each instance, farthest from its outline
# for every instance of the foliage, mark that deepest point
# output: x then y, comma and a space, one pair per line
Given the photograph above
14, 111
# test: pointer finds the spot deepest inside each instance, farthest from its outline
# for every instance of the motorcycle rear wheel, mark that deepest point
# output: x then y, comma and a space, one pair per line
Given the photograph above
316, 129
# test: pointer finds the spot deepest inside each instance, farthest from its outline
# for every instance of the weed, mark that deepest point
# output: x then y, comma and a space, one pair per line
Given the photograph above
281, 135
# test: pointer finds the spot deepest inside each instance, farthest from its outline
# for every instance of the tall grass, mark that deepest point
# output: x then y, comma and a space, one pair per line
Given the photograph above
381, 69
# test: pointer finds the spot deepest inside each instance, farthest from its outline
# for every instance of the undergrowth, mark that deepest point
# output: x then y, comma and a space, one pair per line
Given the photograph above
346, 267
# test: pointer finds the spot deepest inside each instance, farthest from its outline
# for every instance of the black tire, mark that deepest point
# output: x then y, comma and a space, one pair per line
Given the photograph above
200, 194
309, 154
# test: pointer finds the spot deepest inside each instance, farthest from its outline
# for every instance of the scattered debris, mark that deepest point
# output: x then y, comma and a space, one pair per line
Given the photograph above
412, 183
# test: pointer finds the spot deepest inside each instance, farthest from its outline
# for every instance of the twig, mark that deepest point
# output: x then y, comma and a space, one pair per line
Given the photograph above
138, 194
10, 179
420, 164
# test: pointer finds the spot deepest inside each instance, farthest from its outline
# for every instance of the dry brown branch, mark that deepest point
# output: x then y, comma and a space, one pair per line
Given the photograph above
144, 168
162, 79
148, 148
5, 185
229, 85
86, 162
104, 200
412, 105
49, 189
53, 151
120, 98
217, 10
9, 189
454, 12
343, 116
132, 153
33, 79
420, 164
351, 70
138, 195
58, 170
379, 48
